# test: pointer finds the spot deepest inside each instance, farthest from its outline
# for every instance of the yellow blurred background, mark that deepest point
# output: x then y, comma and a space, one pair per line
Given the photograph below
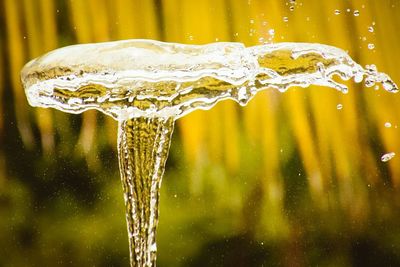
293, 179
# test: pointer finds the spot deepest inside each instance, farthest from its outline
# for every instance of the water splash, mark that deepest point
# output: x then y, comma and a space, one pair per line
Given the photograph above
142, 78
146, 85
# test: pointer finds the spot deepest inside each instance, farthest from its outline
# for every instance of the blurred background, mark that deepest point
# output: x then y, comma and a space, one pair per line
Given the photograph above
293, 179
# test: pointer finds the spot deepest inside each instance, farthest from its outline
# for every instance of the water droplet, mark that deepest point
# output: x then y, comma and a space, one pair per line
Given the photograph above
285, 19
371, 69
153, 247
337, 12
369, 82
371, 29
388, 156
348, 10
356, 13
339, 106
371, 46
388, 125
291, 8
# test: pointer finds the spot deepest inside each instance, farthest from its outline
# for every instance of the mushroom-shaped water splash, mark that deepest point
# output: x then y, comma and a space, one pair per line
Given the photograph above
146, 85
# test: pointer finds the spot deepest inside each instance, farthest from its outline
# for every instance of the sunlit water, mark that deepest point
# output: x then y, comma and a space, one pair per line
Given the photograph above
146, 85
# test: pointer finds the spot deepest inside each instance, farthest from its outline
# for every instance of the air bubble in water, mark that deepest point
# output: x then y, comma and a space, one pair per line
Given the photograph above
339, 106
388, 156
388, 125
371, 29
337, 12
356, 13
285, 19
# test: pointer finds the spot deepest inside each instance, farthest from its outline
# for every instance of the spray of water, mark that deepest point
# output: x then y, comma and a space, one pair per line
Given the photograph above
146, 85
142, 78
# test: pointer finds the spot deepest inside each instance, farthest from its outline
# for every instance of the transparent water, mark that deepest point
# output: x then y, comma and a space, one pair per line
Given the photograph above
146, 85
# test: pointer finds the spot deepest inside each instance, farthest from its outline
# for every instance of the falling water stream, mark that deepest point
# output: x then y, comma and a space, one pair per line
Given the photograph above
146, 85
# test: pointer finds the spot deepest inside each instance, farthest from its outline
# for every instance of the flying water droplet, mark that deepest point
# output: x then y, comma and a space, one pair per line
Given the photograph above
371, 46
271, 32
388, 156
388, 125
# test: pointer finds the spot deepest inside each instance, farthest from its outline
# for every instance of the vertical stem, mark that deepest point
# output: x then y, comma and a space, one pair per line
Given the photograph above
143, 145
